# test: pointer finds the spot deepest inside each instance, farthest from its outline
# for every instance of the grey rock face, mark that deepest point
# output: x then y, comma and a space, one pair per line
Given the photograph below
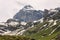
27, 14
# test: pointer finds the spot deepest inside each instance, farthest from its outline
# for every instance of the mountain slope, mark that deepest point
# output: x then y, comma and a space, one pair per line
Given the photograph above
28, 14
44, 31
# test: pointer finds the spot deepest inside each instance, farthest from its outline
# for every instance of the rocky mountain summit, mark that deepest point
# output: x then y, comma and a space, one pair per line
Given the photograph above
28, 14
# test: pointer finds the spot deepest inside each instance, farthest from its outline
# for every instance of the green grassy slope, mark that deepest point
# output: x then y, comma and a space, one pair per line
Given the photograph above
41, 32
7, 37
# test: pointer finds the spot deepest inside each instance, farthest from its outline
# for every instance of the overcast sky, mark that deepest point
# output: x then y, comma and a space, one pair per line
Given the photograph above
8, 8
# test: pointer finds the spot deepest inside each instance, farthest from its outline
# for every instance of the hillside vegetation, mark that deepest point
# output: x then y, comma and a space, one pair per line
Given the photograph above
44, 31
7, 37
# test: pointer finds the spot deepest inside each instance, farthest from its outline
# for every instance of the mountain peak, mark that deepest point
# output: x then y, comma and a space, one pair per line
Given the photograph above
28, 7
28, 14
